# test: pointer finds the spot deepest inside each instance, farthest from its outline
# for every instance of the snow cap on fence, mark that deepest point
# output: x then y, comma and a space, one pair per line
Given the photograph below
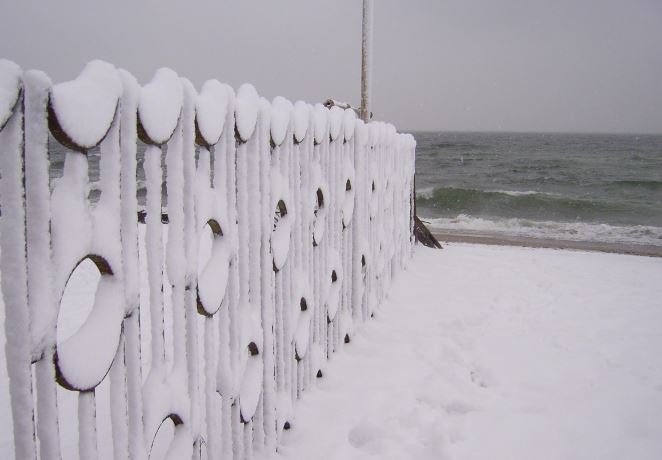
211, 108
374, 131
335, 122
321, 120
160, 107
10, 89
349, 121
301, 116
83, 109
246, 110
281, 115
362, 129
410, 140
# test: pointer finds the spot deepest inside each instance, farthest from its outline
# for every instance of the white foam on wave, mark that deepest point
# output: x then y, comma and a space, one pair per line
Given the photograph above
572, 231
425, 193
522, 192
428, 192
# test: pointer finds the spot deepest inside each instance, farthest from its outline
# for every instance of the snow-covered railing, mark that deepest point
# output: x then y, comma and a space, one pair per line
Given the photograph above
286, 225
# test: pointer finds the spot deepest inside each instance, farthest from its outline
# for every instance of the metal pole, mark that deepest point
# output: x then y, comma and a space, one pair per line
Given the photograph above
365, 60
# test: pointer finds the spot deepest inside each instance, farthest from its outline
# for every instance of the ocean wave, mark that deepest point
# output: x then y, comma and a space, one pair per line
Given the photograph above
425, 193
521, 193
645, 184
572, 231
428, 193
532, 205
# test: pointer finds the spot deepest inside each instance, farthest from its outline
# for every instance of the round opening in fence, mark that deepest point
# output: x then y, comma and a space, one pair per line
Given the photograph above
77, 299
252, 349
250, 387
281, 235
320, 201
347, 210
165, 435
281, 211
302, 329
332, 289
210, 231
319, 212
213, 268
89, 324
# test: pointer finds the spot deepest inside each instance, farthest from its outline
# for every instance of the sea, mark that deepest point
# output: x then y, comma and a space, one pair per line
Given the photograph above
598, 188
604, 188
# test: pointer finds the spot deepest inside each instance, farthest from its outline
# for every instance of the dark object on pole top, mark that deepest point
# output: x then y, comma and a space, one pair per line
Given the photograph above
343, 105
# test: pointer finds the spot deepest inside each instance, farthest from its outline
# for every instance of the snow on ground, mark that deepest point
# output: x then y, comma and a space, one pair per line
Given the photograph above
489, 352
501, 353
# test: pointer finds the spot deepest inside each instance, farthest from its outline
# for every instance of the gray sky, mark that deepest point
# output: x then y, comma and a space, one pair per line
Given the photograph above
511, 65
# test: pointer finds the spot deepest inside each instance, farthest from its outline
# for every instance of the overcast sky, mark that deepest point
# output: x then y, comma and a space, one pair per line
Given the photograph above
498, 65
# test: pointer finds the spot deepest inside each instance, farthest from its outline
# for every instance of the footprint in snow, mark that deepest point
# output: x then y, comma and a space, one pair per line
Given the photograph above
458, 407
483, 377
364, 433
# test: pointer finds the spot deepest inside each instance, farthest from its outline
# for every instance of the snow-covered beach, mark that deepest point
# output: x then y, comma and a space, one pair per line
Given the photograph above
498, 352
489, 352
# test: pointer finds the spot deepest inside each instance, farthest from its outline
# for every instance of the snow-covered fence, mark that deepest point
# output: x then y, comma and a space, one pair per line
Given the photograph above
286, 225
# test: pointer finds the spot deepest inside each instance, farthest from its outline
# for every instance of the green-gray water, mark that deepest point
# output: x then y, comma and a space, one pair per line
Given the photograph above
589, 187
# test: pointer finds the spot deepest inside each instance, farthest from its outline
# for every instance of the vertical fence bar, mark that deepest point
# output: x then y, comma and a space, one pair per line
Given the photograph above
40, 290
130, 259
266, 431
228, 335
13, 260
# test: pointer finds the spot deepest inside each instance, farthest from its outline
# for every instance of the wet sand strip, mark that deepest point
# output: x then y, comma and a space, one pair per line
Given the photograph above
528, 242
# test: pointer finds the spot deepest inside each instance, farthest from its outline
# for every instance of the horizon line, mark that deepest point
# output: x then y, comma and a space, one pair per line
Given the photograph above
493, 131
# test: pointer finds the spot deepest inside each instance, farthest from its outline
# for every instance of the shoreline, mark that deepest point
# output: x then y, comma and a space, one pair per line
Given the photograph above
531, 242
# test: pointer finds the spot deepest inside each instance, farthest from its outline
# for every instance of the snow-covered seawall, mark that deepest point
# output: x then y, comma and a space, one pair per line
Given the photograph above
286, 225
